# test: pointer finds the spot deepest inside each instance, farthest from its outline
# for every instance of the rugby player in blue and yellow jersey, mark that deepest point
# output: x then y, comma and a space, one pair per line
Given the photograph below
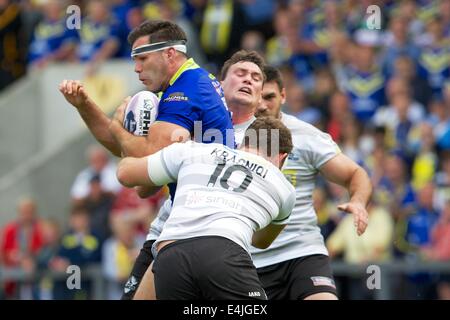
189, 94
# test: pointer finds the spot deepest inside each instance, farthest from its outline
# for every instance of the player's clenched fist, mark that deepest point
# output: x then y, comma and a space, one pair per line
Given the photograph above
74, 93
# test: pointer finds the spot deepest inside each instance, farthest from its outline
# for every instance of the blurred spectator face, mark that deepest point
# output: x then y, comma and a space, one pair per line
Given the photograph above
339, 105
397, 86
324, 84
435, 28
272, 100
394, 169
288, 76
98, 158
253, 41
425, 196
380, 138
399, 29
444, 9
134, 18
332, 14
379, 156
79, 220
27, 211
50, 232
401, 103
404, 68
295, 98
297, 9
124, 230
408, 9
364, 58
4, 3
438, 108
98, 10
165, 11
96, 190
243, 84
350, 130
281, 22
52, 10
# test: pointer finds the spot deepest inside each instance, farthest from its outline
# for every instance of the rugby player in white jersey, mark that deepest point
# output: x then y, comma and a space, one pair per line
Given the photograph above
225, 201
243, 79
296, 265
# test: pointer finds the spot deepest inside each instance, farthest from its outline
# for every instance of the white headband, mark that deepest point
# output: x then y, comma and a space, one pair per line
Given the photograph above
179, 45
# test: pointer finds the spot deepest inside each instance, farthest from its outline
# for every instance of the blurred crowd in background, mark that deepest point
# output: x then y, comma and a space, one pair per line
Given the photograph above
382, 94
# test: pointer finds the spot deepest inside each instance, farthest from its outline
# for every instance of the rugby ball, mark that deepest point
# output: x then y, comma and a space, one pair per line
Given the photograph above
140, 113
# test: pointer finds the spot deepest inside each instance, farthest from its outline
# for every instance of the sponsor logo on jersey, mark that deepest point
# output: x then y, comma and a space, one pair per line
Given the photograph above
323, 281
176, 96
199, 198
294, 155
131, 284
254, 294
218, 88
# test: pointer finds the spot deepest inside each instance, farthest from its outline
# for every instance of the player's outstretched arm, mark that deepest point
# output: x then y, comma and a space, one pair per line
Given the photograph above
345, 172
97, 121
264, 237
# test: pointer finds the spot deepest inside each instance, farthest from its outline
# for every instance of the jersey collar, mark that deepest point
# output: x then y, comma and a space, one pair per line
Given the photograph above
187, 65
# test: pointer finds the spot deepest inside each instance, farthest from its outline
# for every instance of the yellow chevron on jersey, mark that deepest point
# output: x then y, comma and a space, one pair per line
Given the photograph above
46, 30
435, 62
364, 87
91, 33
426, 12
291, 176
187, 65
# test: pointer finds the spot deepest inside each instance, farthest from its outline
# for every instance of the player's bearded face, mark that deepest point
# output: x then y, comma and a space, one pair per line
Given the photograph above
154, 72
151, 67
271, 102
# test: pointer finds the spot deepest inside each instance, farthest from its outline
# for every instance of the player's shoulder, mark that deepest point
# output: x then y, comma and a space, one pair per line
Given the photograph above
298, 126
303, 132
190, 85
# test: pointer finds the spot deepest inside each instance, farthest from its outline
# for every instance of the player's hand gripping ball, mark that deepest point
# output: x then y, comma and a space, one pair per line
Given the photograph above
140, 113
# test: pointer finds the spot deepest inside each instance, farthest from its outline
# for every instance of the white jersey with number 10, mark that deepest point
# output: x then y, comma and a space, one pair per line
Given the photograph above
220, 192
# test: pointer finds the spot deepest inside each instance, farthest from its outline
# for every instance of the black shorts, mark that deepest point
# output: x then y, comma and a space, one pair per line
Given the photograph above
207, 268
143, 260
298, 278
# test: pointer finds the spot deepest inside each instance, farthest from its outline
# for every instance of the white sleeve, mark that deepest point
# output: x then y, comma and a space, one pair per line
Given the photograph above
323, 149
286, 207
164, 165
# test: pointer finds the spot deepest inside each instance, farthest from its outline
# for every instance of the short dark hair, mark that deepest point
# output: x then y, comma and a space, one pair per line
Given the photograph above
273, 75
264, 142
157, 31
242, 56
